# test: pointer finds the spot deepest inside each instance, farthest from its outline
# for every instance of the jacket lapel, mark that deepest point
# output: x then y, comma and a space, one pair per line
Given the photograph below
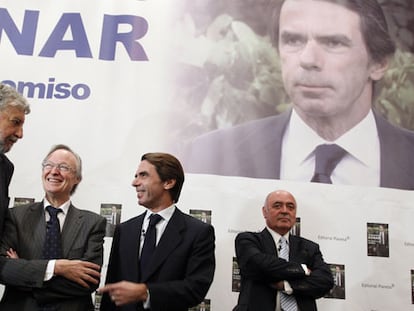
171, 238
37, 222
70, 230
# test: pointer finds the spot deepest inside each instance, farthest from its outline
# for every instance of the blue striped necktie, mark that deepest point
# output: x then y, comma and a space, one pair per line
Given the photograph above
287, 302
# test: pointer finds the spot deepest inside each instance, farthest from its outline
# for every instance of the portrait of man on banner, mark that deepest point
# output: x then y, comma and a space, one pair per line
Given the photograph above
343, 80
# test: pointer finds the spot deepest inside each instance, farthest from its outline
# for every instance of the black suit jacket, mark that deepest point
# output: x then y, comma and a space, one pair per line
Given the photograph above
254, 149
260, 267
6, 173
182, 269
25, 229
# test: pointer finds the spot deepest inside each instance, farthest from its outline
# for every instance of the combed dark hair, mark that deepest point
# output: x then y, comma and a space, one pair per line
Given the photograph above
168, 167
374, 26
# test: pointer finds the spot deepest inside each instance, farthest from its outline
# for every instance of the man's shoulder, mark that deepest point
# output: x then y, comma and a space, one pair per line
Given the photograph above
387, 130
88, 214
241, 130
303, 241
23, 209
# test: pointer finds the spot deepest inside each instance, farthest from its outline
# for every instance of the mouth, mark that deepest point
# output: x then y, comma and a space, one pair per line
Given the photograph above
53, 180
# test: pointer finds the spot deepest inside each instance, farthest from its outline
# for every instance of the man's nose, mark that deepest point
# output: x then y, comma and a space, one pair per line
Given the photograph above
311, 56
19, 132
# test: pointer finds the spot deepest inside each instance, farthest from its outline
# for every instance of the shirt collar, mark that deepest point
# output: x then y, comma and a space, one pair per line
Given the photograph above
64, 207
276, 236
166, 213
300, 140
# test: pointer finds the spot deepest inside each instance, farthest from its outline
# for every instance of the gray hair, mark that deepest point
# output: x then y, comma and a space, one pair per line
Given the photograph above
10, 97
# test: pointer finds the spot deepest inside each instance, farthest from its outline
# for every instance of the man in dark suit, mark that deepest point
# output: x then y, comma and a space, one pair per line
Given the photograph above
330, 66
64, 281
266, 277
181, 269
13, 108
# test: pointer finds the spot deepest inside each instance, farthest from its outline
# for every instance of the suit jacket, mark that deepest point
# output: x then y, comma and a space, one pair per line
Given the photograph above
25, 229
6, 173
254, 149
182, 268
260, 267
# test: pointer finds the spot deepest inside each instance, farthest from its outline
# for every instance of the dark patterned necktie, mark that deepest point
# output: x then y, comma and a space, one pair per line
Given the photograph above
327, 158
287, 302
52, 248
149, 242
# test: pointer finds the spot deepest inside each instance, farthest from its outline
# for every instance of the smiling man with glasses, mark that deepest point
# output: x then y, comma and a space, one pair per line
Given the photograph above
54, 250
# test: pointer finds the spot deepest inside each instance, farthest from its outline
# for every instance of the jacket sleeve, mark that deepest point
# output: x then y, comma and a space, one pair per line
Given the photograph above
258, 261
18, 272
199, 270
60, 288
320, 280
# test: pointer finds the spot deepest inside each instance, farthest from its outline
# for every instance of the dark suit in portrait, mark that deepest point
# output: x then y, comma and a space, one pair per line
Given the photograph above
82, 238
181, 271
254, 150
6, 173
260, 267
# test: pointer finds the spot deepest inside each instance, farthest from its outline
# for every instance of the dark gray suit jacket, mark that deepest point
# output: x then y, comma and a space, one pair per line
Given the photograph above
182, 269
6, 173
253, 149
25, 229
260, 267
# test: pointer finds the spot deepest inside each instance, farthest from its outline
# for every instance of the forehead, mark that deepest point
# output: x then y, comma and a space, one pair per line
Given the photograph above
282, 197
145, 166
320, 17
13, 111
62, 156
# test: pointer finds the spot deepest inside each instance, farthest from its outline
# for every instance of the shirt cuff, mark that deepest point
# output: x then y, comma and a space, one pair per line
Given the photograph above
288, 289
305, 268
50, 270
146, 303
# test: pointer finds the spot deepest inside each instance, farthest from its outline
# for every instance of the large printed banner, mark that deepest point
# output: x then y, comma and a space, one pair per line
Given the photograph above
114, 79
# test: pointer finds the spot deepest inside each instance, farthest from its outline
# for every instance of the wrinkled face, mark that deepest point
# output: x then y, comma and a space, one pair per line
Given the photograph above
326, 68
279, 211
59, 174
11, 127
152, 192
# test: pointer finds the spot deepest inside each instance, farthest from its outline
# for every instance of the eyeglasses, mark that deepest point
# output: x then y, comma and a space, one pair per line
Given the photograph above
48, 166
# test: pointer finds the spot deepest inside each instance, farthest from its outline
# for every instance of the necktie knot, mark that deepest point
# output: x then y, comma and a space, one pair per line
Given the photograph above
53, 212
154, 219
327, 158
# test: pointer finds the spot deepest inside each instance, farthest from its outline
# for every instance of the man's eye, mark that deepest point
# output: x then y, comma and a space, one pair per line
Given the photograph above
64, 168
16, 122
293, 40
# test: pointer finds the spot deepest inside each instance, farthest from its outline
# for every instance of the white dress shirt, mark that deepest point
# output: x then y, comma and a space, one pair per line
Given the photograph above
360, 166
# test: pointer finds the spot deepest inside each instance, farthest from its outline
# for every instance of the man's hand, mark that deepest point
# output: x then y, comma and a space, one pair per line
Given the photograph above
11, 253
78, 271
124, 292
280, 286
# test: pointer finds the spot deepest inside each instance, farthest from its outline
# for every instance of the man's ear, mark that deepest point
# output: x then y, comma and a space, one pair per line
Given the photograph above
378, 69
169, 184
